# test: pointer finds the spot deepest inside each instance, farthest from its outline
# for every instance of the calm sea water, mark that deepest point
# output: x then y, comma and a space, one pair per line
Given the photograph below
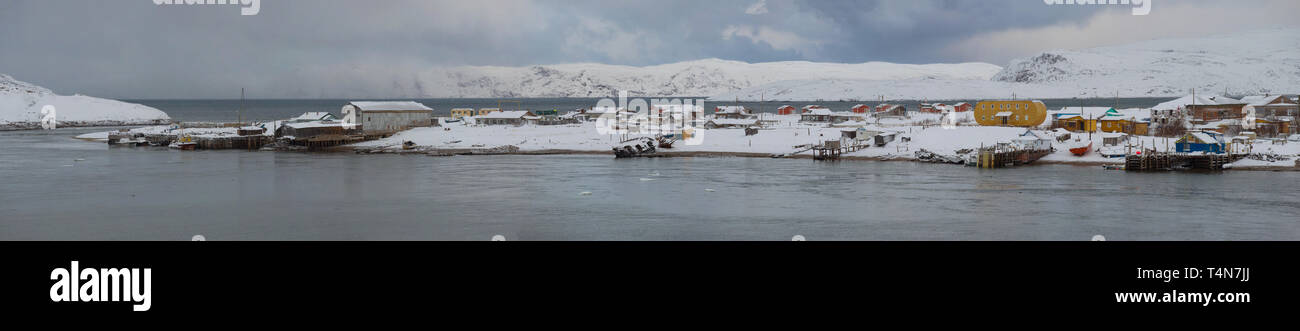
59, 188
261, 110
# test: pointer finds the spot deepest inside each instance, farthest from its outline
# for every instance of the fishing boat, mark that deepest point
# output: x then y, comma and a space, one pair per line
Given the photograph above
184, 143
635, 147
667, 141
1080, 148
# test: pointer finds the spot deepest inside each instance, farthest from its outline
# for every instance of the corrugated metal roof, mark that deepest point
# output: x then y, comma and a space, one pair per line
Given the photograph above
507, 114
390, 105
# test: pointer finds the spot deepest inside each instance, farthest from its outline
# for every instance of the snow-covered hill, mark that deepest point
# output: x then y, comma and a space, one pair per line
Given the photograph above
1259, 62
692, 78
21, 104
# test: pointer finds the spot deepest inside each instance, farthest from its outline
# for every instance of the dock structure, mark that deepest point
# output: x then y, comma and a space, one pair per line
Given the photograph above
831, 150
1004, 156
1151, 160
223, 142
235, 142
329, 140
827, 151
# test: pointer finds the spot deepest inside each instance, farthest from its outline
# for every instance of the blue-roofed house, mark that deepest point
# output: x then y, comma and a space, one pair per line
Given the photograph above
1201, 141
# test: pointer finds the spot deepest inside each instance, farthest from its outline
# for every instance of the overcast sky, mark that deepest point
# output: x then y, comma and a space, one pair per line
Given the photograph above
136, 49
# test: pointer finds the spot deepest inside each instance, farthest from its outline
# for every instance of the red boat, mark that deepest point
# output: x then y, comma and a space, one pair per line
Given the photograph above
1080, 149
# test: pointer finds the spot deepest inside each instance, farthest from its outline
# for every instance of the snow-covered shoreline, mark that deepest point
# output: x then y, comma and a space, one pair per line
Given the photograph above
777, 139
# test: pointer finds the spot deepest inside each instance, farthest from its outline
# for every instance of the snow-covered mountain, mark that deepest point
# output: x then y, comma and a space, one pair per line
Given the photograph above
21, 104
692, 78
1259, 62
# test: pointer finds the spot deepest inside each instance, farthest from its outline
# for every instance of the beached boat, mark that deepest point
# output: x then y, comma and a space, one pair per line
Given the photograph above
635, 147
667, 141
1080, 148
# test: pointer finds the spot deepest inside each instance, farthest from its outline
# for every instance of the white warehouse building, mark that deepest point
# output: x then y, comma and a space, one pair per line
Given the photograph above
379, 117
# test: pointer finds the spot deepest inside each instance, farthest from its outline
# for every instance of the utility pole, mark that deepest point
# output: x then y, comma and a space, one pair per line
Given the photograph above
241, 107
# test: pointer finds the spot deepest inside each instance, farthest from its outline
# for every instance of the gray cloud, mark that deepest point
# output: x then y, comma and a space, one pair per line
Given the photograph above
294, 48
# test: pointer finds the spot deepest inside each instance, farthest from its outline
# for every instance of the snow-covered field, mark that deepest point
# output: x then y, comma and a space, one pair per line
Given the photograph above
21, 104
780, 138
776, 140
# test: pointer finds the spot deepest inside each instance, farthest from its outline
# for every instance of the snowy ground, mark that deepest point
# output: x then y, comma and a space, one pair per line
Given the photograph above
781, 137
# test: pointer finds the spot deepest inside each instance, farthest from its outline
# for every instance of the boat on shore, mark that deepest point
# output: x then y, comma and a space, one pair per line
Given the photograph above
1080, 148
636, 147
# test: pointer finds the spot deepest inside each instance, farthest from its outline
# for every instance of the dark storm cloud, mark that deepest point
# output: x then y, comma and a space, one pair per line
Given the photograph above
133, 48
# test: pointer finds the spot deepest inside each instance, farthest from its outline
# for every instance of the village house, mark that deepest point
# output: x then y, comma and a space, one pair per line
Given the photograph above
251, 130
1201, 141
1117, 121
485, 111
811, 107
885, 110
962, 107
931, 107
816, 115
381, 117
785, 110
1101, 119
1269, 106
512, 117
595, 113
546, 112
1077, 119
1274, 115
1033, 141
841, 117
885, 107
458, 113
861, 109
1276, 126
1202, 109
1023, 113
311, 130
722, 123
313, 116
732, 112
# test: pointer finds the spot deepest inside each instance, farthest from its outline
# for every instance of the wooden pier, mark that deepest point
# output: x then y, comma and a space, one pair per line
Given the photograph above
250, 142
1004, 157
330, 140
1151, 160
831, 150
